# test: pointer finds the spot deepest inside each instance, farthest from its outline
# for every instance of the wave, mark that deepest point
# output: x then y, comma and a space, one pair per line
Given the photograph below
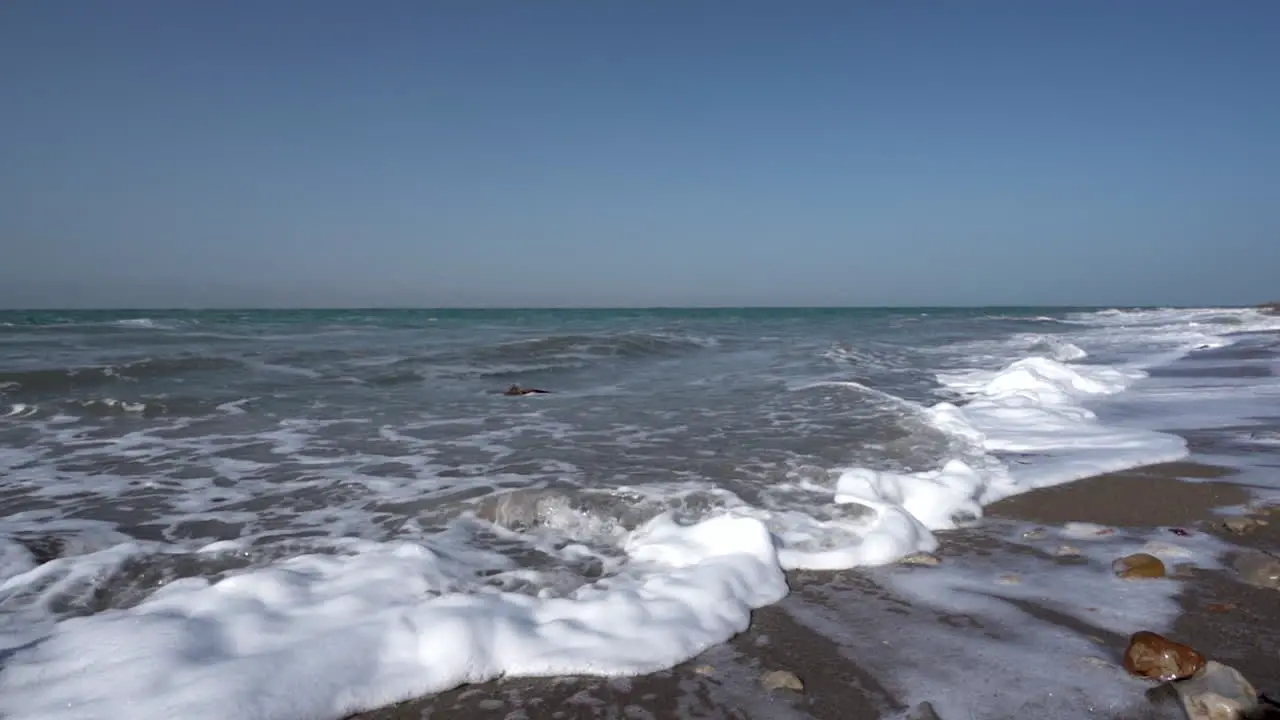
41, 323
1058, 349
624, 345
325, 635
543, 355
60, 381
148, 406
867, 357
144, 323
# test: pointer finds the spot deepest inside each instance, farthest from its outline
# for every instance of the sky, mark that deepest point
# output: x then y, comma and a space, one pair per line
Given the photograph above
161, 153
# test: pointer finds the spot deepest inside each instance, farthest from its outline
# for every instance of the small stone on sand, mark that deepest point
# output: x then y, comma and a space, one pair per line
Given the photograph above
1009, 579
1067, 551
1139, 565
781, 680
1156, 547
1216, 692
1259, 569
1242, 524
920, 558
704, 669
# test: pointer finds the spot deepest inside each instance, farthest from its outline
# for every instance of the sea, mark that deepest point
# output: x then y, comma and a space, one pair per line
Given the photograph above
304, 514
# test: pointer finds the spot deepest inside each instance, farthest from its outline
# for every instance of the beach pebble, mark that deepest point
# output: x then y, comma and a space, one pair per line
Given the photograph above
1067, 551
704, 669
1156, 547
1033, 534
781, 680
1086, 531
920, 558
1009, 579
1216, 692
1156, 657
1139, 565
1259, 569
1242, 524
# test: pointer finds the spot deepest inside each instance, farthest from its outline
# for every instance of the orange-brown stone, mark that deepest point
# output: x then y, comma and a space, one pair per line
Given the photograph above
1139, 565
1156, 657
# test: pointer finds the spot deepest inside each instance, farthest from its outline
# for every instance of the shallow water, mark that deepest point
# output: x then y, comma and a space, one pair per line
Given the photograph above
357, 479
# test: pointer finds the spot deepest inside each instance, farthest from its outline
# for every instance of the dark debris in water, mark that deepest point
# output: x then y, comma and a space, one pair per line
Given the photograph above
44, 548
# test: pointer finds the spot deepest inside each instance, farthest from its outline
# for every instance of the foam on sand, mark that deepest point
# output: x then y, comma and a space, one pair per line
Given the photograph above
321, 637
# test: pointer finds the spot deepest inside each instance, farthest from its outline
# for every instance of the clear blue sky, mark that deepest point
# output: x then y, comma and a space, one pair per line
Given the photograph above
651, 152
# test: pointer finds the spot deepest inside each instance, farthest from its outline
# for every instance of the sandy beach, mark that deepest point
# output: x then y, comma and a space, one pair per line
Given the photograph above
839, 632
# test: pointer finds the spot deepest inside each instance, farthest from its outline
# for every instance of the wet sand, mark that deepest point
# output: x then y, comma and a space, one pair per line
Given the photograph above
808, 632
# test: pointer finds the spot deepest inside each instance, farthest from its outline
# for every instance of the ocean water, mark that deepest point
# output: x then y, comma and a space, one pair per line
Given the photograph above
303, 514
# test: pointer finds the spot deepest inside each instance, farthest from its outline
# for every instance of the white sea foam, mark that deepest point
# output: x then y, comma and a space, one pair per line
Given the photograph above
1031, 407
20, 410
141, 322
322, 635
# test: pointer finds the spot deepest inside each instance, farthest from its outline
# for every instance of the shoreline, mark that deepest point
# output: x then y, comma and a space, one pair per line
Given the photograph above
724, 681
816, 632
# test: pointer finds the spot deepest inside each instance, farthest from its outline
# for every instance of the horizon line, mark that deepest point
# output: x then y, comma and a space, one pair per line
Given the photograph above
509, 308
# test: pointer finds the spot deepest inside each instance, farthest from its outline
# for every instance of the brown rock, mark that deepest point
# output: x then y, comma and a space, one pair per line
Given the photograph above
1156, 657
1139, 565
1217, 692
